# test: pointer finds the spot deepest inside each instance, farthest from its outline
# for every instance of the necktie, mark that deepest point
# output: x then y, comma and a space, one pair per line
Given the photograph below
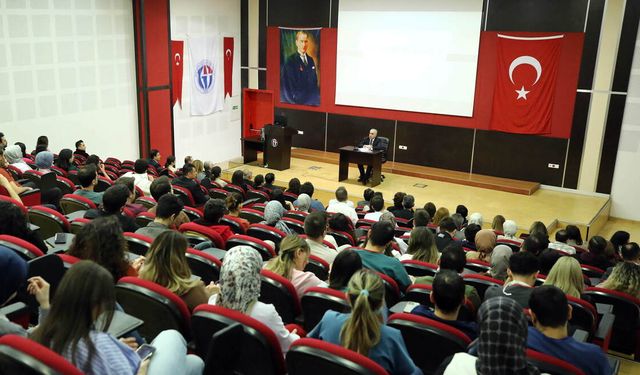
371, 142
304, 59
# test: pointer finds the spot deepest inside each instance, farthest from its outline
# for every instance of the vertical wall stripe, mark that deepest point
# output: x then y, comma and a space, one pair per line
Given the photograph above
253, 39
566, 158
326, 129
473, 150
395, 139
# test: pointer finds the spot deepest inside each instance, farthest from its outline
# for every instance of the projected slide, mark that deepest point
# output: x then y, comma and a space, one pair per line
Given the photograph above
410, 55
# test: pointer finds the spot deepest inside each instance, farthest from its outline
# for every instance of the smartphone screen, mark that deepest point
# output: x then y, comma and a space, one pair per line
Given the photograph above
145, 351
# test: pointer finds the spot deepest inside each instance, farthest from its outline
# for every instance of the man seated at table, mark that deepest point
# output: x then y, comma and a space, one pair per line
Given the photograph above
372, 143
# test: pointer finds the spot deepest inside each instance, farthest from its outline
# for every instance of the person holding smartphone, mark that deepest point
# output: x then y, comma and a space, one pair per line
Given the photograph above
70, 330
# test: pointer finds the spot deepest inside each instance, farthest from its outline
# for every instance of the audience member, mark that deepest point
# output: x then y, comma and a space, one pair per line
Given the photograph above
624, 278
278, 195
397, 202
510, 228
140, 177
566, 274
421, 218
400, 247
23, 148
3, 140
538, 229
273, 213
630, 252
550, 313
463, 211
65, 160
13, 155
476, 218
548, 259
102, 241
234, 205
362, 330
446, 234
100, 169
341, 223
215, 176
134, 208
294, 186
561, 243
422, 246
42, 144
460, 232
170, 163
501, 345
500, 262
619, 239
596, 255
214, 210
258, 182
522, 271
237, 178
16, 187
159, 187
447, 296
188, 159
247, 174
345, 264
498, 224
292, 258
470, 236
307, 188
269, 178
14, 223
430, 207
485, 242
81, 149
240, 288
407, 208
574, 238
315, 227
377, 206
303, 203
373, 257
44, 161
199, 166
439, 215
166, 265
341, 205
167, 213
113, 202
154, 159
535, 244
364, 204
71, 330
187, 180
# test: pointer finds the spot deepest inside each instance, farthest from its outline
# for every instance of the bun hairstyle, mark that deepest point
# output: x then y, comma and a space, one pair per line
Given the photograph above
233, 201
362, 329
284, 262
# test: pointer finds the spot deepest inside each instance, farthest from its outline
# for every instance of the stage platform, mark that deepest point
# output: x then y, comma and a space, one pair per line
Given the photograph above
552, 207
454, 177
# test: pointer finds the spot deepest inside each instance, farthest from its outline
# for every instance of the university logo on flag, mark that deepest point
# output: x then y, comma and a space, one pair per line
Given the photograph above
527, 68
206, 89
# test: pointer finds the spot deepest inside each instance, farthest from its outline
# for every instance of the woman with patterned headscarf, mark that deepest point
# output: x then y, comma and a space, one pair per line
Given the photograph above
303, 202
502, 344
273, 213
240, 289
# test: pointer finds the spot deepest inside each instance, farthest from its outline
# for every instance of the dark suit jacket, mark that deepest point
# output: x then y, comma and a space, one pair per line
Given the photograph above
377, 143
442, 240
299, 81
194, 188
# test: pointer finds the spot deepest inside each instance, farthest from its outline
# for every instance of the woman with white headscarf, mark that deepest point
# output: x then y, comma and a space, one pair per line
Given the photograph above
240, 289
273, 213
303, 202
13, 154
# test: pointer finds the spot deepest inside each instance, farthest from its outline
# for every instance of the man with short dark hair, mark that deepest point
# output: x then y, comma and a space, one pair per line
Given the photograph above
407, 208
167, 211
113, 202
214, 210
463, 211
188, 181
81, 149
447, 296
373, 257
596, 256
269, 178
315, 227
522, 271
377, 205
561, 243
535, 244
447, 233
550, 313
342, 205
88, 178
367, 195
160, 187
154, 159
421, 218
307, 188
140, 177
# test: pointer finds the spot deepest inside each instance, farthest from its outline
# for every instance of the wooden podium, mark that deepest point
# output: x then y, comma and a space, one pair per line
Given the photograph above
350, 154
277, 146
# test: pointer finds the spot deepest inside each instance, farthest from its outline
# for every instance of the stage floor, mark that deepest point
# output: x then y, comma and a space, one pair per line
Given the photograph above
549, 206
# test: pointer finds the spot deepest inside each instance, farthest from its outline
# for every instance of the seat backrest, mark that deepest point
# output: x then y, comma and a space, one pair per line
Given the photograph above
266, 232
266, 250
626, 309
392, 291
235, 189
66, 185
476, 265
551, 365
103, 184
144, 218
260, 196
72, 203
278, 291
218, 193
591, 271
260, 352
342, 238
77, 224
16, 203
481, 282
185, 195
513, 245
68, 260
148, 202
232, 223
315, 357
207, 232
417, 268
294, 224
193, 213
317, 300
19, 355
319, 267
51, 268
384, 144
137, 243
50, 221
428, 341
155, 305
289, 196
204, 265
253, 216
25, 249
584, 315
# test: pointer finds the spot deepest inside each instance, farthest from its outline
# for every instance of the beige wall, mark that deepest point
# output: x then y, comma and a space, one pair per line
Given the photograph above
254, 16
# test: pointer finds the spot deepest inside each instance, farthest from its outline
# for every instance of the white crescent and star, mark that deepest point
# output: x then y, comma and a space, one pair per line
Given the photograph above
525, 60
177, 58
227, 52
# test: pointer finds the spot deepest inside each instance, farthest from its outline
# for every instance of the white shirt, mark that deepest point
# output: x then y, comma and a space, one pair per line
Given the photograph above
267, 315
562, 247
322, 251
343, 208
140, 180
22, 166
374, 216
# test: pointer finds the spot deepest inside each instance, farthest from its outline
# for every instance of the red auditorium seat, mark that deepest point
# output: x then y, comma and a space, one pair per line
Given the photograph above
233, 223
417, 268
342, 238
481, 282
316, 301
20, 355
551, 365
144, 218
204, 265
278, 291
72, 203
266, 232
137, 243
50, 221
319, 267
265, 250
25, 249
316, 357
251, 215
197, 233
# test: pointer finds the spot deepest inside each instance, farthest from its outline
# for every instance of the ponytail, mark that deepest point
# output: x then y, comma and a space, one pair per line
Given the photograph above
362, 330
284, 262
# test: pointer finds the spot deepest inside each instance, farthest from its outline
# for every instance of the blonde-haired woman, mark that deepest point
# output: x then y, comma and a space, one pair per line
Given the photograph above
199, 170
566, 274
363, 330
498, 223
440, 214
290, 263
166, 265
625, 278
422, 246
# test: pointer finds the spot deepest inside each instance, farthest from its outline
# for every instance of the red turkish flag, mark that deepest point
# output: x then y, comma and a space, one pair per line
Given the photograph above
228, 66
525, 83
177, 55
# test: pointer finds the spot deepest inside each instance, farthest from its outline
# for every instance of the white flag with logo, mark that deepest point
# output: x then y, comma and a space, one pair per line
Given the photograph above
207, 78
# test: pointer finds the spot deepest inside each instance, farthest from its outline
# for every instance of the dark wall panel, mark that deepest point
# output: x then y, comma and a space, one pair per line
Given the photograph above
590, 47
434, 146
244, 33
578, 129
262, 34
334, 13
521, 157
626, 46
347, 130
610, 143
262, 79
244, 78
298, 13
311, 123
536, 15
